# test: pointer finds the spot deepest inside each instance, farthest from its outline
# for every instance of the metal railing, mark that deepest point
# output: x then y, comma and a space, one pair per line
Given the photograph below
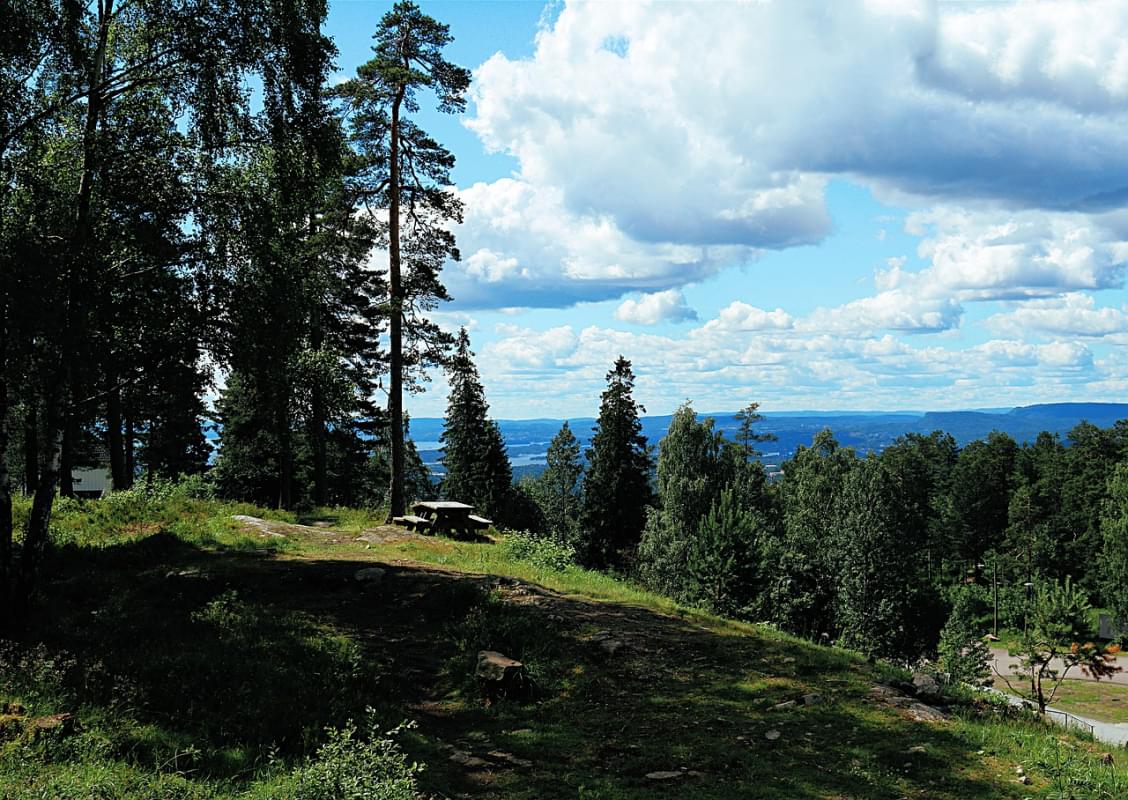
1067, 720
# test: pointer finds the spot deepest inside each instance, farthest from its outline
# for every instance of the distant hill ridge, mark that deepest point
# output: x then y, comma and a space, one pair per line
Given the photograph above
865, 431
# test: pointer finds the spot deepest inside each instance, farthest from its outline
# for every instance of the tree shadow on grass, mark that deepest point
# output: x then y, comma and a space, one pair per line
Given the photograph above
238, 655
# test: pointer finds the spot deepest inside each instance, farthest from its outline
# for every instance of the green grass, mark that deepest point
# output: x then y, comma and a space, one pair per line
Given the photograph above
1104, 701
205, 660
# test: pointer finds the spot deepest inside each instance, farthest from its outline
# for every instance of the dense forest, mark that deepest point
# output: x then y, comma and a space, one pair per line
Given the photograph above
189, 210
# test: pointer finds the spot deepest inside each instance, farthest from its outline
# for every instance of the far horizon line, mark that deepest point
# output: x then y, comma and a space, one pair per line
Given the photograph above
821, 412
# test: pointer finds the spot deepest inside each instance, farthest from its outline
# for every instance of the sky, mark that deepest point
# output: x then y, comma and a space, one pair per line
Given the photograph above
847, 205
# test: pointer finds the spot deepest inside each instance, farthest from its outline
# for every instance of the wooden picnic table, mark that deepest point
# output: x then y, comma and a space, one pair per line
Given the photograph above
444, 516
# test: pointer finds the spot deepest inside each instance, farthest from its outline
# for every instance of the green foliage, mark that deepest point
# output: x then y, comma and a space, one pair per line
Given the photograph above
557, 489
477, 466
544, 552
1114, 557
617, 484
663, 549
873, 608
723, 559
981, 484
804, 554
963, 654
1059, 631
349, 766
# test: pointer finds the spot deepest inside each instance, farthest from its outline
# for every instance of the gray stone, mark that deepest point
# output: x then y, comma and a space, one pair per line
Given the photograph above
664, 775
784, 706
369, 575
467, 760
926, 686
509, 758
922, 713
772, 735
812, 699
611, 646
501, 676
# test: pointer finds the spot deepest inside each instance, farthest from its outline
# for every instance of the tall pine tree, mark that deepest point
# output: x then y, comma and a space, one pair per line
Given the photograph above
617, 485
406, 172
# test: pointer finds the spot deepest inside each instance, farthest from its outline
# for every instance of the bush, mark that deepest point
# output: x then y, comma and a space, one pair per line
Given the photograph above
544, 552
348, 767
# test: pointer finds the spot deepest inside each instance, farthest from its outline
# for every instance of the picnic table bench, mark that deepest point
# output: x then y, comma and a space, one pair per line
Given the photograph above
444, 516
412, 522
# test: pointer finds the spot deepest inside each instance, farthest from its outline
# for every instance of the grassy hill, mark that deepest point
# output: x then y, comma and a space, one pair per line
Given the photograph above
205, 657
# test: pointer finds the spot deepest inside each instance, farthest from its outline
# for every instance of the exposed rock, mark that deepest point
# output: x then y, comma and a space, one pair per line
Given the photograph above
784, 706
812, 699
922, 713
926, 686
664, 775
58, 724
500, 676
261, 525
370, 576
918, 749
611, 646
464, 759
509, 758
772, 735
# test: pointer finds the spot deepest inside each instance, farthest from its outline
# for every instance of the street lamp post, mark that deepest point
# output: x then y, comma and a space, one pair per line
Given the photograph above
995, 593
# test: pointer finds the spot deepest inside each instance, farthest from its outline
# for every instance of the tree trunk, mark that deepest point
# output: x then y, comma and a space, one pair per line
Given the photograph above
115, 443
130, 459
317, 405
31, 446
395, 391
58, 385
5, 480
285, 459
65, 468
38, 524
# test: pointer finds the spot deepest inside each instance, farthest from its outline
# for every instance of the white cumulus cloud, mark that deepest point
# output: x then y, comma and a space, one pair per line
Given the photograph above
650, 309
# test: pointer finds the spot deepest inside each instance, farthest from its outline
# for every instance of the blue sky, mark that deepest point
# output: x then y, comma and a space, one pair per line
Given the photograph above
865, 204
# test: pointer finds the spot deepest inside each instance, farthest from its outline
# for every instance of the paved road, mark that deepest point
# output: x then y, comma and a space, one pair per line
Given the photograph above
1004, 663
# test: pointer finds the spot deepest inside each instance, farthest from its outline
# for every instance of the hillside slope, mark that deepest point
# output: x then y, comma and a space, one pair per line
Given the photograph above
213, 652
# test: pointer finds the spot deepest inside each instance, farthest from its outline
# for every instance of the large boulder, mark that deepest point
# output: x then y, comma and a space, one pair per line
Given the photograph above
926, 687
501, 676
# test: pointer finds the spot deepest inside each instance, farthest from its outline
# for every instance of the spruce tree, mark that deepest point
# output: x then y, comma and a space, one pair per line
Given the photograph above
617, 485
723, 562
477, 466
557, 489
691, 473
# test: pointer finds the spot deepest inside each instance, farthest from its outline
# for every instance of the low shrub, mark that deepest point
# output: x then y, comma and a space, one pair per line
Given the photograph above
354, 767
543, 552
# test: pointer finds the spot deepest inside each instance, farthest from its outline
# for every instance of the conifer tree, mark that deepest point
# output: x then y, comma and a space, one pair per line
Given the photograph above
874, 564
557, 489
963, 654
723, 563
477, 467
406, 172
617, 484
691, 473
1114, 557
